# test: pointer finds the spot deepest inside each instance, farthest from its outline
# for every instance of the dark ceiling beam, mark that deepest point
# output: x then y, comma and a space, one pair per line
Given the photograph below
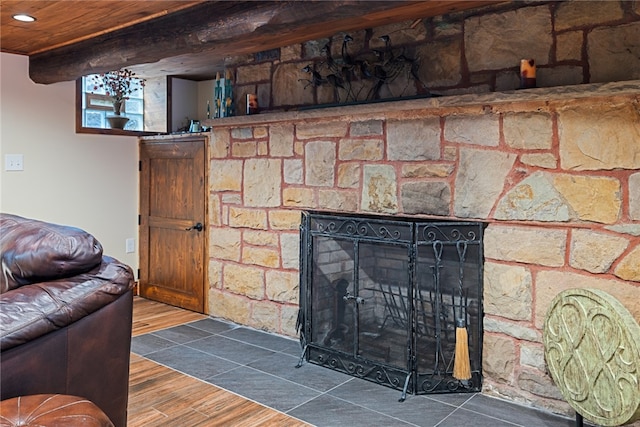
207, 33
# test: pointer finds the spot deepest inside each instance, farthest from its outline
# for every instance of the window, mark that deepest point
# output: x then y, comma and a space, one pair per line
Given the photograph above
97, 106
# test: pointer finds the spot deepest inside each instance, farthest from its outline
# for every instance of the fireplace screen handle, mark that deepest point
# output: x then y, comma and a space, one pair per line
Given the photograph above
348, 297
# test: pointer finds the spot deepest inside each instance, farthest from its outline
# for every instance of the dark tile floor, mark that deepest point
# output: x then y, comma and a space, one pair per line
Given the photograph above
261, 367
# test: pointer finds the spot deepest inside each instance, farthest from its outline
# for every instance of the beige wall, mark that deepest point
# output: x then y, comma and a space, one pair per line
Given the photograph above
88, 181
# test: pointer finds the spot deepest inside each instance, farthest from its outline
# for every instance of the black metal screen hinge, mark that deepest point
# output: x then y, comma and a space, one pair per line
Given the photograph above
140, 166
139, 219
138, 274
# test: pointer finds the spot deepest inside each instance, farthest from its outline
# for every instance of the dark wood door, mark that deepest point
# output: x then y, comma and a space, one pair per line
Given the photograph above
172, 221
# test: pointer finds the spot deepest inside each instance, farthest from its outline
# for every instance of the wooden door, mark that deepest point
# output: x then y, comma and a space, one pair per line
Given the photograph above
172, 221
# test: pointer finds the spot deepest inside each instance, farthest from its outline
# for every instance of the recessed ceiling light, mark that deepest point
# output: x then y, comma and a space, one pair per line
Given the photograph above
23, 17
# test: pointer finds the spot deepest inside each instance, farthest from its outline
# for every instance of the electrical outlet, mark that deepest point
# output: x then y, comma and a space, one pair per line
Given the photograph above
130, 245
13, 162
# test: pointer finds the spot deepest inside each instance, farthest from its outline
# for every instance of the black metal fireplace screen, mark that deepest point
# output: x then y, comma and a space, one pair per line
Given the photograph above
381, 299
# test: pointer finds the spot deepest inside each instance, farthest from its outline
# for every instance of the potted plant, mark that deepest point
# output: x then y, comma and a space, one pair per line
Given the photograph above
117, 85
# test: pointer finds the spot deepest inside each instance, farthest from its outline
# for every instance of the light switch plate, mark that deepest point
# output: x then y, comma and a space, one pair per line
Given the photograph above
130, 245
13, 162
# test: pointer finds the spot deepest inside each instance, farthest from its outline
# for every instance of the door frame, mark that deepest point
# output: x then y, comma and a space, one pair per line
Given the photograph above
143, 238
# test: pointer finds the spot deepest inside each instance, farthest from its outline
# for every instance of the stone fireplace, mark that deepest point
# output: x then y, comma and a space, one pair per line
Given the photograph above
552, 172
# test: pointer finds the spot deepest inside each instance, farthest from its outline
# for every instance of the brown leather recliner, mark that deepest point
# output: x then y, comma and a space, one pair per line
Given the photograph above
65, 316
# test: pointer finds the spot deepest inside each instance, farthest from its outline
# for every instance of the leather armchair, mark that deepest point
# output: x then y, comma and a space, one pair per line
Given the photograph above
65, 316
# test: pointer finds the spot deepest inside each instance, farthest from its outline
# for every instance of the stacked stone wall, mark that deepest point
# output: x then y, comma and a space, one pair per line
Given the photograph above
555, 175
573, 42
554, 171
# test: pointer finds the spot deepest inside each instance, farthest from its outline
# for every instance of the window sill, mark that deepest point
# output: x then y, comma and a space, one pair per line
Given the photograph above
120, 132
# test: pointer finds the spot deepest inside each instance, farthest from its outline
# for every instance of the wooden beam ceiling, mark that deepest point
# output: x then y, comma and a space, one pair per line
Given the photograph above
194, 42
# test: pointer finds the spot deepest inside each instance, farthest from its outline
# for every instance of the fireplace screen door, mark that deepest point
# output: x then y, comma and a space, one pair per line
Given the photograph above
380, 299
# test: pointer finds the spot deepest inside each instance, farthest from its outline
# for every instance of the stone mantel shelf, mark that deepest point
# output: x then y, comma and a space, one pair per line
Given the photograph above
176, 135
542, 95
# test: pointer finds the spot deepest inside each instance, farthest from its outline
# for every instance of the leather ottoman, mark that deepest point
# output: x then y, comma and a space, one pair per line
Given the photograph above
51, 410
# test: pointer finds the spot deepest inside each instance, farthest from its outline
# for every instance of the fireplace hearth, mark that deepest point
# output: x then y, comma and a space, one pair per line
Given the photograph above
381, 298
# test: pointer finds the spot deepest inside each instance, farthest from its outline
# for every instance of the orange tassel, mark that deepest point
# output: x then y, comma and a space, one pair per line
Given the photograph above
461, 364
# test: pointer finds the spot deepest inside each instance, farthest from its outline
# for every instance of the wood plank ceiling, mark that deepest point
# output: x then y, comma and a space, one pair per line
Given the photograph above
71, 38
60, 23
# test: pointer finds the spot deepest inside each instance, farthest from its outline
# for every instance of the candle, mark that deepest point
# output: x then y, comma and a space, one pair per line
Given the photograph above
527, 73
252, 104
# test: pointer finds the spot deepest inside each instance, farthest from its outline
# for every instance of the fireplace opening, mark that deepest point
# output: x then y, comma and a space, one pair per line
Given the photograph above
382, 299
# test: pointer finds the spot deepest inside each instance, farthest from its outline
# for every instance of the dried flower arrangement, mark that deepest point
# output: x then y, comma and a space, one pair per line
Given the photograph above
118, 85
